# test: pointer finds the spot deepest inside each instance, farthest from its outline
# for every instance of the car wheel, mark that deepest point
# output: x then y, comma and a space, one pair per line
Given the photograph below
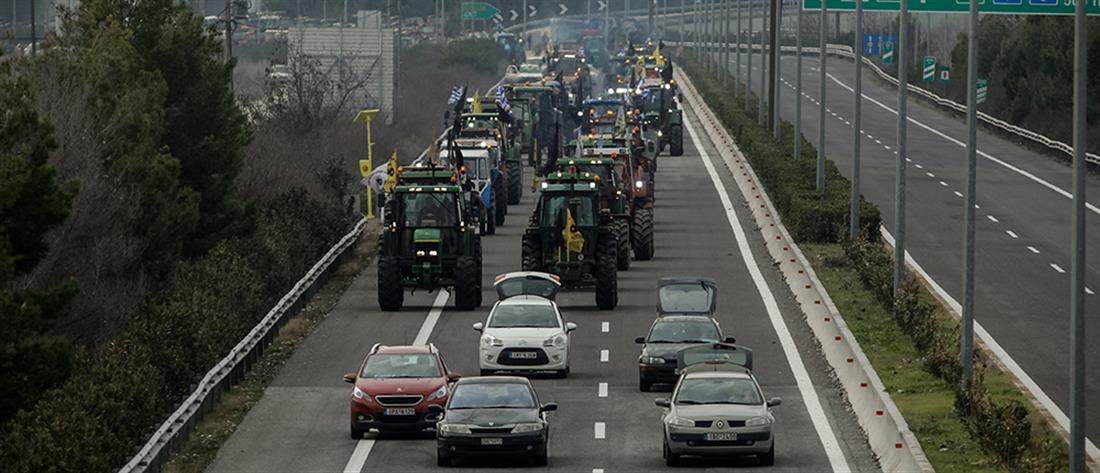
443, 460
643, 386
540, 458
356, 434
671, 459
486, 372
768, 459
562, 373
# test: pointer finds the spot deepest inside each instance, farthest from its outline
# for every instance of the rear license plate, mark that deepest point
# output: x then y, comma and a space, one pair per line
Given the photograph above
400, 411
492, 441
523, 354
721, 437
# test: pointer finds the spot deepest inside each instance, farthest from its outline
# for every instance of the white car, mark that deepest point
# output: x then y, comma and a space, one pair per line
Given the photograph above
525, 330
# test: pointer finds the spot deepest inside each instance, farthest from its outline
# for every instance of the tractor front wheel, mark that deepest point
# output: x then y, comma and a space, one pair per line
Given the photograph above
642, 236
391, 296
476, 241
676, 141
532, 253
622, 236
515, 182
607, 279
467, 283
500, 203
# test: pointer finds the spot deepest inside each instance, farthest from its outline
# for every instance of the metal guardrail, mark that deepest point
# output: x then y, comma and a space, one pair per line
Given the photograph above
232, 368
846, 52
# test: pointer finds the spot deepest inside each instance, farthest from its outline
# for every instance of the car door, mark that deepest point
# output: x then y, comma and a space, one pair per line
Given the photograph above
531, 283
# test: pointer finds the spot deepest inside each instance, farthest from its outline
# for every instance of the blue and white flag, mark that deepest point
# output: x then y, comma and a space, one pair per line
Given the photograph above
641, 86
502, 100
456, 95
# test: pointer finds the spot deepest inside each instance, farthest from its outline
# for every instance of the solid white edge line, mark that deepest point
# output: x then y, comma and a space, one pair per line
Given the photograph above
798, 369
599, 430
996, 348
601, 390
363, 447
359, 456
983, 154
605, 355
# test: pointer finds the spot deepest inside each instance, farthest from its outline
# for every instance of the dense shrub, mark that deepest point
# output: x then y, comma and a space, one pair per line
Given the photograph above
809, 215
483, 54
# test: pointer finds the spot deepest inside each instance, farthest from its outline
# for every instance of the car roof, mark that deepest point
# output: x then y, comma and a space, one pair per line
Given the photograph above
403, 349
494, 379
526, 299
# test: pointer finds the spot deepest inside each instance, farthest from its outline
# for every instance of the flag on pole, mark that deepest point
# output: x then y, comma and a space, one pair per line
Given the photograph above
476, 106
572, 237
502, 100
456, 95
660, 59
391, 173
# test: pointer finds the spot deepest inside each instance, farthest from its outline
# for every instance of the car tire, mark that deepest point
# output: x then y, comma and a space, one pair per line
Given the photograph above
644, 386
486, 372
443, 460
768, 459
671, 459
562, 373
540, 458
356, 434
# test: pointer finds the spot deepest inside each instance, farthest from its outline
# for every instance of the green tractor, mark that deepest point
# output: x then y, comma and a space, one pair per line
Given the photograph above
510, 139
572, 237
428, 241
660, 111
543, 118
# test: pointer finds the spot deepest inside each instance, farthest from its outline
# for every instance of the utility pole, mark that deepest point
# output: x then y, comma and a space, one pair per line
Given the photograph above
857, 122
763, 97
1077, 266
228, 32
34, 31
900, 184
966, 345
798, 87
773, 81
821, 78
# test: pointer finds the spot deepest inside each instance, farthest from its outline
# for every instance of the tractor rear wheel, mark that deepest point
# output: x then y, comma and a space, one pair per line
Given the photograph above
607, 278
642, 237
500, 202
476, 242
391, 296
676, 140
490, 217
515, 182
532, 253
467, 283
622, 236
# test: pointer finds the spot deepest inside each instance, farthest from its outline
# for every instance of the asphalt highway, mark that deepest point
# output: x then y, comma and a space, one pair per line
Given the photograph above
603, 423
1023, 217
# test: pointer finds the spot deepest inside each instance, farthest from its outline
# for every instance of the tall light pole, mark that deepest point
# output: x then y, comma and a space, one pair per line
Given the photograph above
1077, 266
798, 87
821, 78
857, 124
902, 145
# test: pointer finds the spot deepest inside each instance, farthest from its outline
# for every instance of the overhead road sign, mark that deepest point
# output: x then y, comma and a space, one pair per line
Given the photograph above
479, 11
1010, 7
929, 68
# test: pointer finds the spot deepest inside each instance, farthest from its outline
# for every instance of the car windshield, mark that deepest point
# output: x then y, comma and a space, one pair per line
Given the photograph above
524, 315
580, 208
418, 365
492, 395
725, 390
684, 331
429, 209
687, 297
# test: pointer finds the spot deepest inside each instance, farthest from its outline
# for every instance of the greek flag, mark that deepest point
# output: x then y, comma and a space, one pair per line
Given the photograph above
456, 95
640, 87
502, 101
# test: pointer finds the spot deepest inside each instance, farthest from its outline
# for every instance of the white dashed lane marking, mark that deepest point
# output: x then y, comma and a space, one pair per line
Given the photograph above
1012, 234
1057, 268
1033, 249
992, 218
605, 355
605, 327
600, 430
958, 194
602, 390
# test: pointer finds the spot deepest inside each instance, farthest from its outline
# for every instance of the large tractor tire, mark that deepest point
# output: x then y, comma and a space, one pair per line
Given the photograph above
490, 215
532, 253
622, 236
391, 296
467, 283
607, 278
476, 241
676, 140
642, 236
500, 204
515, 182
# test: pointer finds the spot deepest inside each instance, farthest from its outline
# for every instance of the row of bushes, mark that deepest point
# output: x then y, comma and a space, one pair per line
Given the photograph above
1001, 426
810, 215
116, 397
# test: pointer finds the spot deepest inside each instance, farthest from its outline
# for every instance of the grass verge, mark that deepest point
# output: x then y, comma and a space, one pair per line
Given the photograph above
219, 424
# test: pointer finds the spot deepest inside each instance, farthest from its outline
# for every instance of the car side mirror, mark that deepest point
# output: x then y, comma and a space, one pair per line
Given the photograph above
549, 407
775, 401
570, 326
662, 402
639, 340
452, 376
729, 340
435, 409
349, 378
479, 326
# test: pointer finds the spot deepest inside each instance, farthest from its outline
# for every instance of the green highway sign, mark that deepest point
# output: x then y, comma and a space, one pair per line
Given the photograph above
945, 73
1011, 7
478, 11
888, 52
983, 90
929, 71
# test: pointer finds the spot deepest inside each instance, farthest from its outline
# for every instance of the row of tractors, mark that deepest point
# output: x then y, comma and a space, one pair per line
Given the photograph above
593, 162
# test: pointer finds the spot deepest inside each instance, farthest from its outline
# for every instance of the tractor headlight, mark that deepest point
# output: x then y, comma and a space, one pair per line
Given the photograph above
433, 253
638, 184
660, 133
419, 252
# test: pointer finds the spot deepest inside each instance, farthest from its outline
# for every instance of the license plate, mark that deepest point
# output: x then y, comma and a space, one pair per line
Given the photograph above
523, 354
721, 437
400, 411
492, 441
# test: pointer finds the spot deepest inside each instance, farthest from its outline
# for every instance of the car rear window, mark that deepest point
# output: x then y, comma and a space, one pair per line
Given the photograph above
418, 365
523, 315
686, 298
684, 331
726, 390
492, 395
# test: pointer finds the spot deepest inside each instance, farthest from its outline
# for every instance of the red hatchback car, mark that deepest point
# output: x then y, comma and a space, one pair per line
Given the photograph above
395, 386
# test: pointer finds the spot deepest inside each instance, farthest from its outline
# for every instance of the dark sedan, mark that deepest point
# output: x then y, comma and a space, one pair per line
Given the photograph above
667, 336
493, 415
